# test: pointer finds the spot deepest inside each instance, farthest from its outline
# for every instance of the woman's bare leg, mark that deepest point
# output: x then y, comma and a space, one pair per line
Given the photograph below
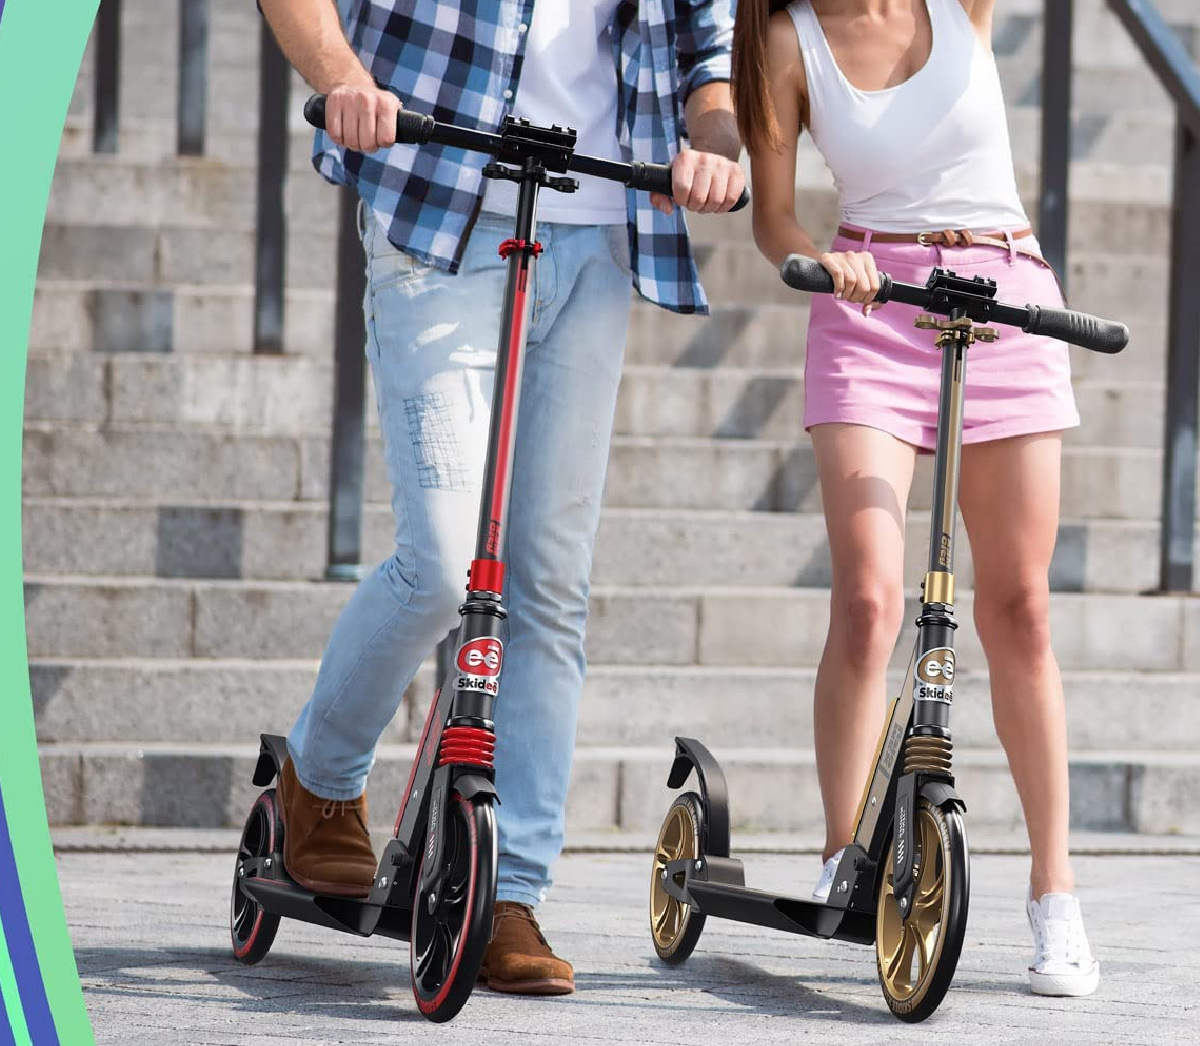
1009, 496
865, 477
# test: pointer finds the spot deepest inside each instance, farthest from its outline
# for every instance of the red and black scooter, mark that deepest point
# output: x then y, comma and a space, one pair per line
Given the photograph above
436, 883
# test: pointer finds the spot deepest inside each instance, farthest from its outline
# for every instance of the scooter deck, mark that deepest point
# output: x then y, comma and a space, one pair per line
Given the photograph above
347, 914
790, 914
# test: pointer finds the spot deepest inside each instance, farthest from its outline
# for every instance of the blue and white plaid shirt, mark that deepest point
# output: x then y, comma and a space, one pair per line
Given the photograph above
460, 61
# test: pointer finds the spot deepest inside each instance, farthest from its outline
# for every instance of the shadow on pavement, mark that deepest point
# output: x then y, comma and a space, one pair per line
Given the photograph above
354, 989
747, 985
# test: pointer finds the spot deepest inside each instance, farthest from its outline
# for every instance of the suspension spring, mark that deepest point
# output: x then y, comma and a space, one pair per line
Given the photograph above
467, 746
927, 755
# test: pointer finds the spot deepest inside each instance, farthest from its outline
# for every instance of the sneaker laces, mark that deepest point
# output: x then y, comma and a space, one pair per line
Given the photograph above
1059, 939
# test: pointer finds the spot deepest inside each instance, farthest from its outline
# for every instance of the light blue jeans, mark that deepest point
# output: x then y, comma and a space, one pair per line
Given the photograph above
431, 341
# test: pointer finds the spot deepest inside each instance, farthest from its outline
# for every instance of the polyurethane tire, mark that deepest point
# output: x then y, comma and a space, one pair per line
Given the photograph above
447, 945
916, 959
251, 927
675, 927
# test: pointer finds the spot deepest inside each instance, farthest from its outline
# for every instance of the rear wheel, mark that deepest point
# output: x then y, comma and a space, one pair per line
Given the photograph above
916, 959
252, 928
450, 937
674, 926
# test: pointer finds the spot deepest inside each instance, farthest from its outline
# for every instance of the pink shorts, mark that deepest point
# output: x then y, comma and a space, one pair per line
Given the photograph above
881, 371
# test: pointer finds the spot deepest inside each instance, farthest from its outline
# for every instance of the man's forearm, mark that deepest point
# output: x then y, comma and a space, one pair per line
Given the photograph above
710, 123
310, 35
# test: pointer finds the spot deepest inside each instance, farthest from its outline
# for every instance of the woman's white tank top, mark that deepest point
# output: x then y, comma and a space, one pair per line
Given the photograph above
931, 153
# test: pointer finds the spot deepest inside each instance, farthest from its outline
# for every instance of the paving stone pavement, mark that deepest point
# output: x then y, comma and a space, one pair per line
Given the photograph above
150, 934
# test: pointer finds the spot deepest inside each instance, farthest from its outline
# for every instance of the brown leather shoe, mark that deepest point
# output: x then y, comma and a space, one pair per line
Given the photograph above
519, 960
326, 847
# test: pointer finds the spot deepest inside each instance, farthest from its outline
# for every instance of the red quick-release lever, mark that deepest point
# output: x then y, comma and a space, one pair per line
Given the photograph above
508, 246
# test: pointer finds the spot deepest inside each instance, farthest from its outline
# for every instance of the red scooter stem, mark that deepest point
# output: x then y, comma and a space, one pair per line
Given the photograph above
487, 570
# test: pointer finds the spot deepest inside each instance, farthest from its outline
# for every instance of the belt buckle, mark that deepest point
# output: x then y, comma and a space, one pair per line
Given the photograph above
922, 240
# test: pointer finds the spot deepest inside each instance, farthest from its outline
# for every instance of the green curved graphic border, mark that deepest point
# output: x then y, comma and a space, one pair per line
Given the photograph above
41, 45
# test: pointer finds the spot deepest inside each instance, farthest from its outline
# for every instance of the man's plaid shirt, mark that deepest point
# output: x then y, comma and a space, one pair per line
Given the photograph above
460, 61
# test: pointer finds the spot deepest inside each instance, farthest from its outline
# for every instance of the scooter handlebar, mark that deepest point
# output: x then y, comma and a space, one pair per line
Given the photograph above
1078, 328
416, 129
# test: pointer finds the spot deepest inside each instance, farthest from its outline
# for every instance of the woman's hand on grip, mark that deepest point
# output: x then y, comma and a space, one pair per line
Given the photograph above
855, 277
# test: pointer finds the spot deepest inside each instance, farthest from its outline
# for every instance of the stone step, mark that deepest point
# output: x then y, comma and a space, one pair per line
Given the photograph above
162, 255
287, 541
733, 273
153, 140
198, 701
781, 476
1106, 136
1103, 135
1116, 206
247, 393
767, 627
161, 463
150, 70
74, 318
77, 317
612, 787
292, 395
117, 191
82, 316
1104, 85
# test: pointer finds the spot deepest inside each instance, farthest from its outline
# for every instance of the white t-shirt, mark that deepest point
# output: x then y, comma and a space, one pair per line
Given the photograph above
569, 78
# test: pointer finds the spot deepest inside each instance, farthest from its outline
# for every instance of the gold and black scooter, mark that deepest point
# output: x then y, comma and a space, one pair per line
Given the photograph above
904, 881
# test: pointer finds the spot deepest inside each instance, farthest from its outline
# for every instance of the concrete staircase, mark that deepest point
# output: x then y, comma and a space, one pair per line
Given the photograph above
175, 486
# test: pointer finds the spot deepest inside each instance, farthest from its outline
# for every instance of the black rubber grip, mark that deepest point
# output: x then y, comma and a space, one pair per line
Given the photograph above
656, 177
314, 111
412, 128
1078, 328
652, 177
806, 274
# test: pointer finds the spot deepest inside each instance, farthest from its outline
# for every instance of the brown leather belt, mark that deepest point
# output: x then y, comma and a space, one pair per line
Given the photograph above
949, 238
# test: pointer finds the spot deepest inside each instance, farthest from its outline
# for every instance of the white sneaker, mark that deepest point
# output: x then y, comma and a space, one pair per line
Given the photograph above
1062, 961
825, 883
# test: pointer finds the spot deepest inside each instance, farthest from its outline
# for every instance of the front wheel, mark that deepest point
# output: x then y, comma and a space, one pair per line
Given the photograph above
251, 927
674, 926
916, 959
448, 942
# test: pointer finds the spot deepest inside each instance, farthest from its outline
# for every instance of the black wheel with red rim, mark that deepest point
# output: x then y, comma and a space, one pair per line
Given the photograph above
450, 936
252, 928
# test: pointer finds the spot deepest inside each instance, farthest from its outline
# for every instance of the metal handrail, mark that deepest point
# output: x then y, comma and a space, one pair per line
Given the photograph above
347, 451
1166, 55
193, 77
106, 81
270, 228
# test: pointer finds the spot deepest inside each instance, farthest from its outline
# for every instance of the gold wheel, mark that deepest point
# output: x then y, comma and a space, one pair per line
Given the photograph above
673, 925
916, 958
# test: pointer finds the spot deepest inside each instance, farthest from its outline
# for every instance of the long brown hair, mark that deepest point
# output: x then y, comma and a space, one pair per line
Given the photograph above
752, 102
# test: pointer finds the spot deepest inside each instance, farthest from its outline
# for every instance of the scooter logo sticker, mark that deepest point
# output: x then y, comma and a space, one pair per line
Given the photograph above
481, 657
934, 678
479, 664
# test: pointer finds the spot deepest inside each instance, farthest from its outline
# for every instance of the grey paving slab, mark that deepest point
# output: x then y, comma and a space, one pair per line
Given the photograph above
150, 937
